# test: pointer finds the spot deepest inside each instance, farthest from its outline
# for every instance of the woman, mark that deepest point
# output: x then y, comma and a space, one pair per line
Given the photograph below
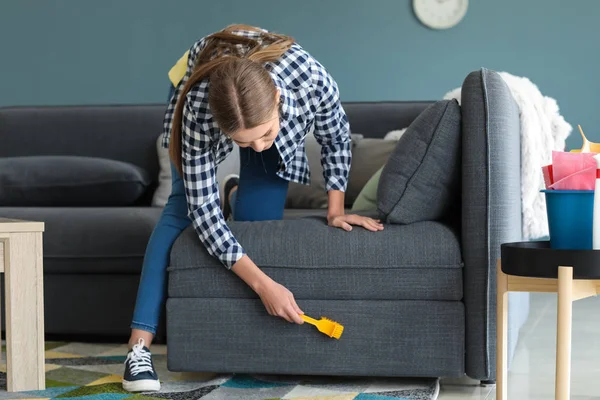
263, 92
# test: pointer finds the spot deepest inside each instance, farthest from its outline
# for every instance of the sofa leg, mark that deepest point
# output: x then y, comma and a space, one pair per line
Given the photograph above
488, 382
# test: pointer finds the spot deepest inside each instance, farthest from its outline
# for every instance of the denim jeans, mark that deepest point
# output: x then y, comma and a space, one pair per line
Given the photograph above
260, 196
153, 284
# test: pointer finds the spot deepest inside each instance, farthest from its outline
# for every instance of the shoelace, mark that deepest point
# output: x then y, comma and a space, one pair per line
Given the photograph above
141, 360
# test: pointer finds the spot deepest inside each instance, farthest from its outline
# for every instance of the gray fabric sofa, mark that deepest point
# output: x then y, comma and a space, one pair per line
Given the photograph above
415, 300
93, 255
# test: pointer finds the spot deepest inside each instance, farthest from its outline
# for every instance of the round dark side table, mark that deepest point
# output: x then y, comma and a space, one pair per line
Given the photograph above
535, 267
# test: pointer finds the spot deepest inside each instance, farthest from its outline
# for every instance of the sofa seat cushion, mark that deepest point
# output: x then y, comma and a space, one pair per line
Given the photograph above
92, 240
420, 261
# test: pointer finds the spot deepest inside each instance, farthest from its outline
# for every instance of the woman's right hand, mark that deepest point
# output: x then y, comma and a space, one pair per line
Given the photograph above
280, 302
277, 299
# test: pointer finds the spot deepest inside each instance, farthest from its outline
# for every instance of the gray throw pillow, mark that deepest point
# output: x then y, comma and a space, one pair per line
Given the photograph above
70, 181
421, 180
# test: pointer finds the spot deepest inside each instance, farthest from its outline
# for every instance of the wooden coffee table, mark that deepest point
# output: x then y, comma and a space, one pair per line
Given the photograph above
21, 261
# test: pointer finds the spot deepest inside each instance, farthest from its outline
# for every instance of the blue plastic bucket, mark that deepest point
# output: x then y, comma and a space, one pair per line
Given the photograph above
570, 218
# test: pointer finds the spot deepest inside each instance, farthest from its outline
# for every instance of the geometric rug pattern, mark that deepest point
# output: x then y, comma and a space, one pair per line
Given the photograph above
88, 371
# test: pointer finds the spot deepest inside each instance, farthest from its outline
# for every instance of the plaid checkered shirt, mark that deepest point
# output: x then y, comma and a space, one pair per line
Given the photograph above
309, 100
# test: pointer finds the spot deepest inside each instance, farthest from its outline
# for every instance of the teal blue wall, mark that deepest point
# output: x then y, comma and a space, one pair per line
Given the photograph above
119, 51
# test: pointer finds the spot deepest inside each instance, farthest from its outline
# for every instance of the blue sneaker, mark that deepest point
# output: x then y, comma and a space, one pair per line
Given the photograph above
139, 373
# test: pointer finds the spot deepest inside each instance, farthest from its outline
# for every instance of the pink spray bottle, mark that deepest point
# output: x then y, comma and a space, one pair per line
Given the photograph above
596, 217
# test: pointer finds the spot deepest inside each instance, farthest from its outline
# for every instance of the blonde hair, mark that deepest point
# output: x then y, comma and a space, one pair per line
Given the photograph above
241, 93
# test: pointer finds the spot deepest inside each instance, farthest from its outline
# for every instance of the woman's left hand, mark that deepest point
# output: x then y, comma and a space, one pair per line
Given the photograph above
346, 221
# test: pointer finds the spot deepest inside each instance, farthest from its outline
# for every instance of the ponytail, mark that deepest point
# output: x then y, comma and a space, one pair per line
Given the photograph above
197, 76
222, 48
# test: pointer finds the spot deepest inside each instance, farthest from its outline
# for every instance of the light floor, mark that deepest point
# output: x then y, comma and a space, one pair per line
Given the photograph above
531, 376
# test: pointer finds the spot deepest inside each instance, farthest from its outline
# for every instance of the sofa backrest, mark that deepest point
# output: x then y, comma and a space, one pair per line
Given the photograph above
125, 133
129, 132
375, 119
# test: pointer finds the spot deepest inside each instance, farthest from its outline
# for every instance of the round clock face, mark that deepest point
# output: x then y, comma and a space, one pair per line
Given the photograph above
440, 14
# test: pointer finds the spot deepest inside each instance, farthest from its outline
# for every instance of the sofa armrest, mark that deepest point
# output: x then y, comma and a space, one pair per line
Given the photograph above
491, 206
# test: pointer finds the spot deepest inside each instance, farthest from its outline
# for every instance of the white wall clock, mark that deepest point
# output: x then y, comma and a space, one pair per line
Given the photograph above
440, 14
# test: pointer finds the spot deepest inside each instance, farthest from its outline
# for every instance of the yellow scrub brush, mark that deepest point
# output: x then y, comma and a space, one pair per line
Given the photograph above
326, 326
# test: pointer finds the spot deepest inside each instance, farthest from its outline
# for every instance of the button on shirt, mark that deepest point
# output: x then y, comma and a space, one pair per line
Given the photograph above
309, 100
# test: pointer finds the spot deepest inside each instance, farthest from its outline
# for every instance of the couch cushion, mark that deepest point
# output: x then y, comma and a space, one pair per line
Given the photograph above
92, 240
367, 158
231, 165
421, 180
314, 261
165, 181
63, 181
368, 155
367, 198
314, 195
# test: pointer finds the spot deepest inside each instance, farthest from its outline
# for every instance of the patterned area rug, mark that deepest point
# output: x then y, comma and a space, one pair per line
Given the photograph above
93, 372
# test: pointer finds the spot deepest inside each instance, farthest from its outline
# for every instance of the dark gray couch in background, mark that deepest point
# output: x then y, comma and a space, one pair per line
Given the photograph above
92, 256
428, 321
